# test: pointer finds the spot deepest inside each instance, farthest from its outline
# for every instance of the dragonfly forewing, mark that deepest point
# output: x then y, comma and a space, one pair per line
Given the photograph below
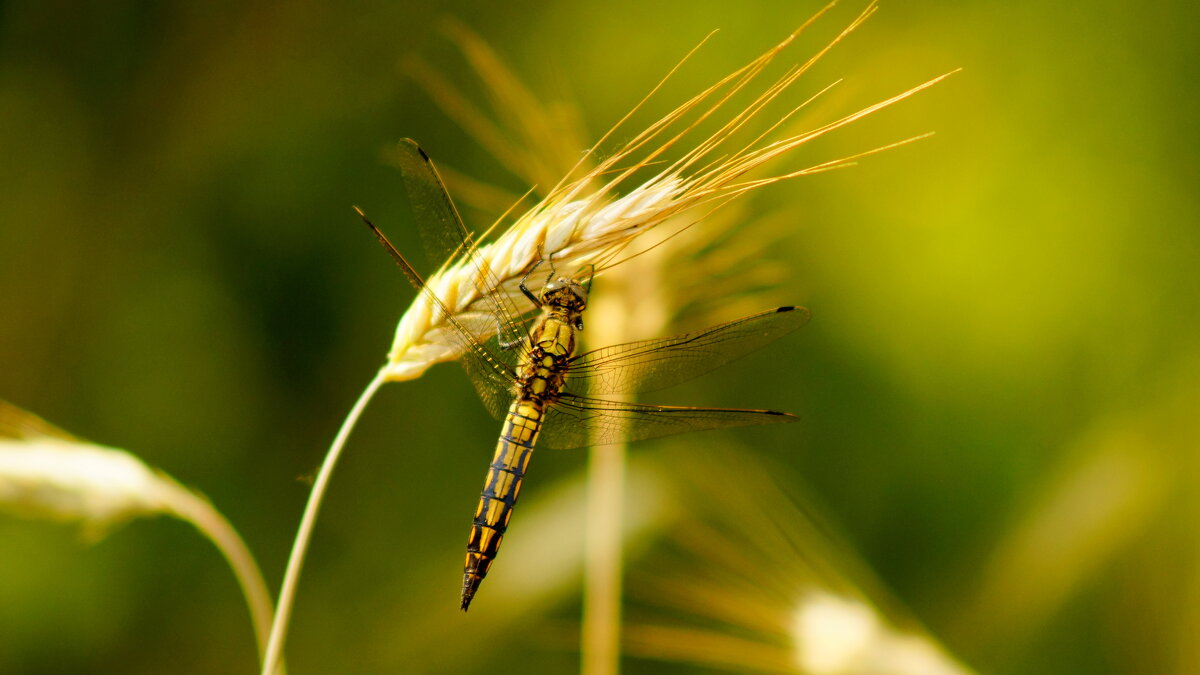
651, 365
447, 240
578, 421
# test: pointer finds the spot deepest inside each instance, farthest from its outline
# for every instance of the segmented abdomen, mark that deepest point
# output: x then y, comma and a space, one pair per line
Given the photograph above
500, 491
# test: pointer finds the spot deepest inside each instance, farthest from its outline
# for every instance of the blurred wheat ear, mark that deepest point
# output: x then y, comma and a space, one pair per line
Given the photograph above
749, 578
47, 473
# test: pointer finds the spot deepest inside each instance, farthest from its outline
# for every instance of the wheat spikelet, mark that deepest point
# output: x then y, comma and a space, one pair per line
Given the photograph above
589, 219
573, 234
537, 140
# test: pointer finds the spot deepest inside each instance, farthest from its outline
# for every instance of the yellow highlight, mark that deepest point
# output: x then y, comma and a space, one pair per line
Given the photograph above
504, 454
504, 485
485, 540
522, 434
527, 410
494, 508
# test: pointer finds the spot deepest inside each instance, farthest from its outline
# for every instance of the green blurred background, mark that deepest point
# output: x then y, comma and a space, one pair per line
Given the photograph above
998, 387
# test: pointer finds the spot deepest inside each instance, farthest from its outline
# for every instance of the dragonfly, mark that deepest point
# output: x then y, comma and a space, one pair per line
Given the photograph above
530, 377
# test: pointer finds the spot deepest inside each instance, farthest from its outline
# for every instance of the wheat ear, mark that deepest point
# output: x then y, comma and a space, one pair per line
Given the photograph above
588, 220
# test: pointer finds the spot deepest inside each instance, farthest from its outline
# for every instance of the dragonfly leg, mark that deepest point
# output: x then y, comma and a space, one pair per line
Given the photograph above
550, 276
525, 289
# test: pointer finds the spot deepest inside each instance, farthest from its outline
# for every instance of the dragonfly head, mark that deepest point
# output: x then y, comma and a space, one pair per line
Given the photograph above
568, 297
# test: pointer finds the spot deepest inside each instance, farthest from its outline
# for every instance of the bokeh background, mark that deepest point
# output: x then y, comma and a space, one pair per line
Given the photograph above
998, 387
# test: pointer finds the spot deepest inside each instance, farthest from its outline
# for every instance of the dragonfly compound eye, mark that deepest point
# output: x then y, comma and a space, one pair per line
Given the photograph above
580, 293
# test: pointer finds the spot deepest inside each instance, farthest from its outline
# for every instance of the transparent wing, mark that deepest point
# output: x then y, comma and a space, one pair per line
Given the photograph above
495, 388
447, 238
577, 421
493, 377
487, 365
651, 365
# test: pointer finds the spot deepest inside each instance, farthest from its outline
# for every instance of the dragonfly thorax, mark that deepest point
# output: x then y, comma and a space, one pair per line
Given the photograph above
566, 297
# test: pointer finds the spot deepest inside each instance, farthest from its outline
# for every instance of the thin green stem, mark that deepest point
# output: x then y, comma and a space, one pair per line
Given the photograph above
200, 512
291, 577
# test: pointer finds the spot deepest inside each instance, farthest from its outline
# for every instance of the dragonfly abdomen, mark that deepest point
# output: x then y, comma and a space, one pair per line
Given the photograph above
500, 491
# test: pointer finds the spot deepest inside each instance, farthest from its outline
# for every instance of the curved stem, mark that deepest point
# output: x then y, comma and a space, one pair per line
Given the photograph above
291, 577
200, 513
